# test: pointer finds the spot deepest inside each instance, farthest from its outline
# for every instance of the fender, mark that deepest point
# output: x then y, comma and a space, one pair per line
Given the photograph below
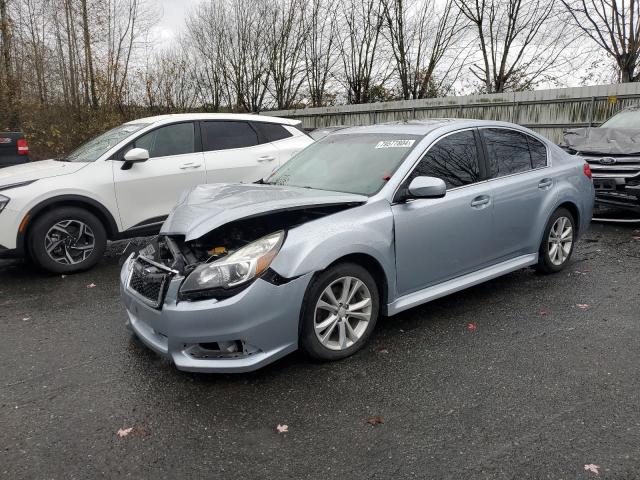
77, 200
367, 229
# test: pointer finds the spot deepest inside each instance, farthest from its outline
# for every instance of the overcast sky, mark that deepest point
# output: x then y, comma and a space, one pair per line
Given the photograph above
171, 23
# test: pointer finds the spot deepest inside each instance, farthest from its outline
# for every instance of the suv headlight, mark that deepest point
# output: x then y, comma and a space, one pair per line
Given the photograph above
3, 202
240, 267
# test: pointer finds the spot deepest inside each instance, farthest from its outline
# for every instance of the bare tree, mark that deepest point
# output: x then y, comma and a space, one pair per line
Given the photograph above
320, 55
205, 39
10, 97
520, 41
421, 37
615, 27
286, 44
359, 51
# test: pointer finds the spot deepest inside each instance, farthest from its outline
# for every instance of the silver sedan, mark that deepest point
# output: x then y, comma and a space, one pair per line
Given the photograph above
369, 221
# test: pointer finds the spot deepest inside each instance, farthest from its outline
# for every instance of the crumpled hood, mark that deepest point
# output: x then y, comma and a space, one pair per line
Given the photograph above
207, 207
608, 141
37, 170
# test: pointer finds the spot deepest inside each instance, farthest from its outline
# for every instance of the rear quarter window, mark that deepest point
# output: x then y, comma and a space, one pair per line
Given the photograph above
538, 152
271, 132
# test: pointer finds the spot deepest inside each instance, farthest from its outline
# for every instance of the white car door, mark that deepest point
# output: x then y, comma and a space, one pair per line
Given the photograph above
148, 191
233, 152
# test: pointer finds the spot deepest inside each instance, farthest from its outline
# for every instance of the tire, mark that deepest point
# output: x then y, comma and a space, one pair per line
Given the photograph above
61, 228
351, 329
552, 260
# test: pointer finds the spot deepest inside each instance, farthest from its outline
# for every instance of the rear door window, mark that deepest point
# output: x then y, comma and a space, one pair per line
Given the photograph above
454, 159
177, 139
271, 132
507, 151
223, 135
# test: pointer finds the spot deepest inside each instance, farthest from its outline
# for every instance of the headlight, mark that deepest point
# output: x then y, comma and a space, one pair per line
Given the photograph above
3, 202
240, 267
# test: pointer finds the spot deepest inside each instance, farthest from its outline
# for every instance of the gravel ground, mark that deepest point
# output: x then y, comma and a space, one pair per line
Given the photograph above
544, 381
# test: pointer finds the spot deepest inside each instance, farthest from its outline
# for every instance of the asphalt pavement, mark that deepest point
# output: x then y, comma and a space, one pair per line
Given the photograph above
526, 376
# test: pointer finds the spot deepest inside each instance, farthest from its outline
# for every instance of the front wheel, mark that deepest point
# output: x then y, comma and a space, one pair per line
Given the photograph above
67, 240
340, 312
558, 242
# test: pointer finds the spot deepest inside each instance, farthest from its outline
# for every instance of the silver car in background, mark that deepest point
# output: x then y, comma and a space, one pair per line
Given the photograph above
369, 221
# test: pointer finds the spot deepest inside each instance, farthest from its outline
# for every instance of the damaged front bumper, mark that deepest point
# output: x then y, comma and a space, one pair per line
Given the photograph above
237, 334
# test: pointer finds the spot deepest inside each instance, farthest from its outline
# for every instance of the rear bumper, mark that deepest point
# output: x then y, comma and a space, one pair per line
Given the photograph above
263, 319
8, 161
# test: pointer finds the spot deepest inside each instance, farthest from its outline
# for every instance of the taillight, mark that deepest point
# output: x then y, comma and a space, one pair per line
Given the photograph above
23, 147
587, 170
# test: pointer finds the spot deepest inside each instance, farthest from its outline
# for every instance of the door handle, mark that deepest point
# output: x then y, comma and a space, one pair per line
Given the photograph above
545, 184
187, 165
266, 158
480, 202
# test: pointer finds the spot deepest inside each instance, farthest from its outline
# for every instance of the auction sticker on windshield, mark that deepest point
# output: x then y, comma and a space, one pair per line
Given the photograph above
395, 144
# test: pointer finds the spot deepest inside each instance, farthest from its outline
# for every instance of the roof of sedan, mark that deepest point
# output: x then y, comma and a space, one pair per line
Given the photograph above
215, 116
418, 127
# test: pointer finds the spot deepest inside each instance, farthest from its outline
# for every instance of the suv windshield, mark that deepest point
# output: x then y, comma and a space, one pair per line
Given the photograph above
624, 119
354, 163
94, 149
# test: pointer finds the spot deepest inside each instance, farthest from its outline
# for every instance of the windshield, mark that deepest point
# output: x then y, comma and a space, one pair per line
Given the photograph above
354, 163
624, 119
94, 149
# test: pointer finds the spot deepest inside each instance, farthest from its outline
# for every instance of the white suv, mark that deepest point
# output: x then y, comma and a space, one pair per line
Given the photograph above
124, 183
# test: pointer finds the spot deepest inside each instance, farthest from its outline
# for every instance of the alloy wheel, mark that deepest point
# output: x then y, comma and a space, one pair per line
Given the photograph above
342, 313
69, 242
560, 241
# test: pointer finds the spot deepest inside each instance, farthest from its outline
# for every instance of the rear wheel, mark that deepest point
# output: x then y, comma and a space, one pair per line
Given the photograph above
340, 312
558, 242
67, 240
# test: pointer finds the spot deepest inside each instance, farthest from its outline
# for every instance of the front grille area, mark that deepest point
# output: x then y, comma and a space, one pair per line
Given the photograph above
148, 282
614, 166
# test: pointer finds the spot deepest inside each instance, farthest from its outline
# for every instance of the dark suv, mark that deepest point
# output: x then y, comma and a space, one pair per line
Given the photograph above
14, 149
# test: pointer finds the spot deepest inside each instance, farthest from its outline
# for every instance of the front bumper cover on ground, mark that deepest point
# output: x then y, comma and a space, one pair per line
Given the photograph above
264, 317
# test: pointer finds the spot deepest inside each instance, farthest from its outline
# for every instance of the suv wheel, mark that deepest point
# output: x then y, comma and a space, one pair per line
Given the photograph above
66, 240
558, 242
339, 313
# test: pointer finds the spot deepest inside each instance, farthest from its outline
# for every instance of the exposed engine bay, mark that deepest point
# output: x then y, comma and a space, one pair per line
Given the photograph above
183, 257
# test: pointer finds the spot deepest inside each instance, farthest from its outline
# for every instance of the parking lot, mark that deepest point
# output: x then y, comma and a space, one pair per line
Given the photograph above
525, 376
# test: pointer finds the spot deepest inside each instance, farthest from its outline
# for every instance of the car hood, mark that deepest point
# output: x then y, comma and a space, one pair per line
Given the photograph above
208, 207
38, 170
605, 141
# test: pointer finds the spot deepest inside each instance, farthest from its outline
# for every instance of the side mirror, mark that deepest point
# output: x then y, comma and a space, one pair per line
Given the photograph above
135, 155
427, 187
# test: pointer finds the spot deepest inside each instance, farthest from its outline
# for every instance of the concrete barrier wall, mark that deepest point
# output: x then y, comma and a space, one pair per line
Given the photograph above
548, 112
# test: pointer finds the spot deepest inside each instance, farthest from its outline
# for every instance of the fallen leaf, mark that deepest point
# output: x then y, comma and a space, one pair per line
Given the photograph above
123, 432
377, 420
593, 468
582, 306
282, 428
472, 327
544, 312
92, 285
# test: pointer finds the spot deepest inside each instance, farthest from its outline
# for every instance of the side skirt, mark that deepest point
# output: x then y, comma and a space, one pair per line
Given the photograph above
460, 283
